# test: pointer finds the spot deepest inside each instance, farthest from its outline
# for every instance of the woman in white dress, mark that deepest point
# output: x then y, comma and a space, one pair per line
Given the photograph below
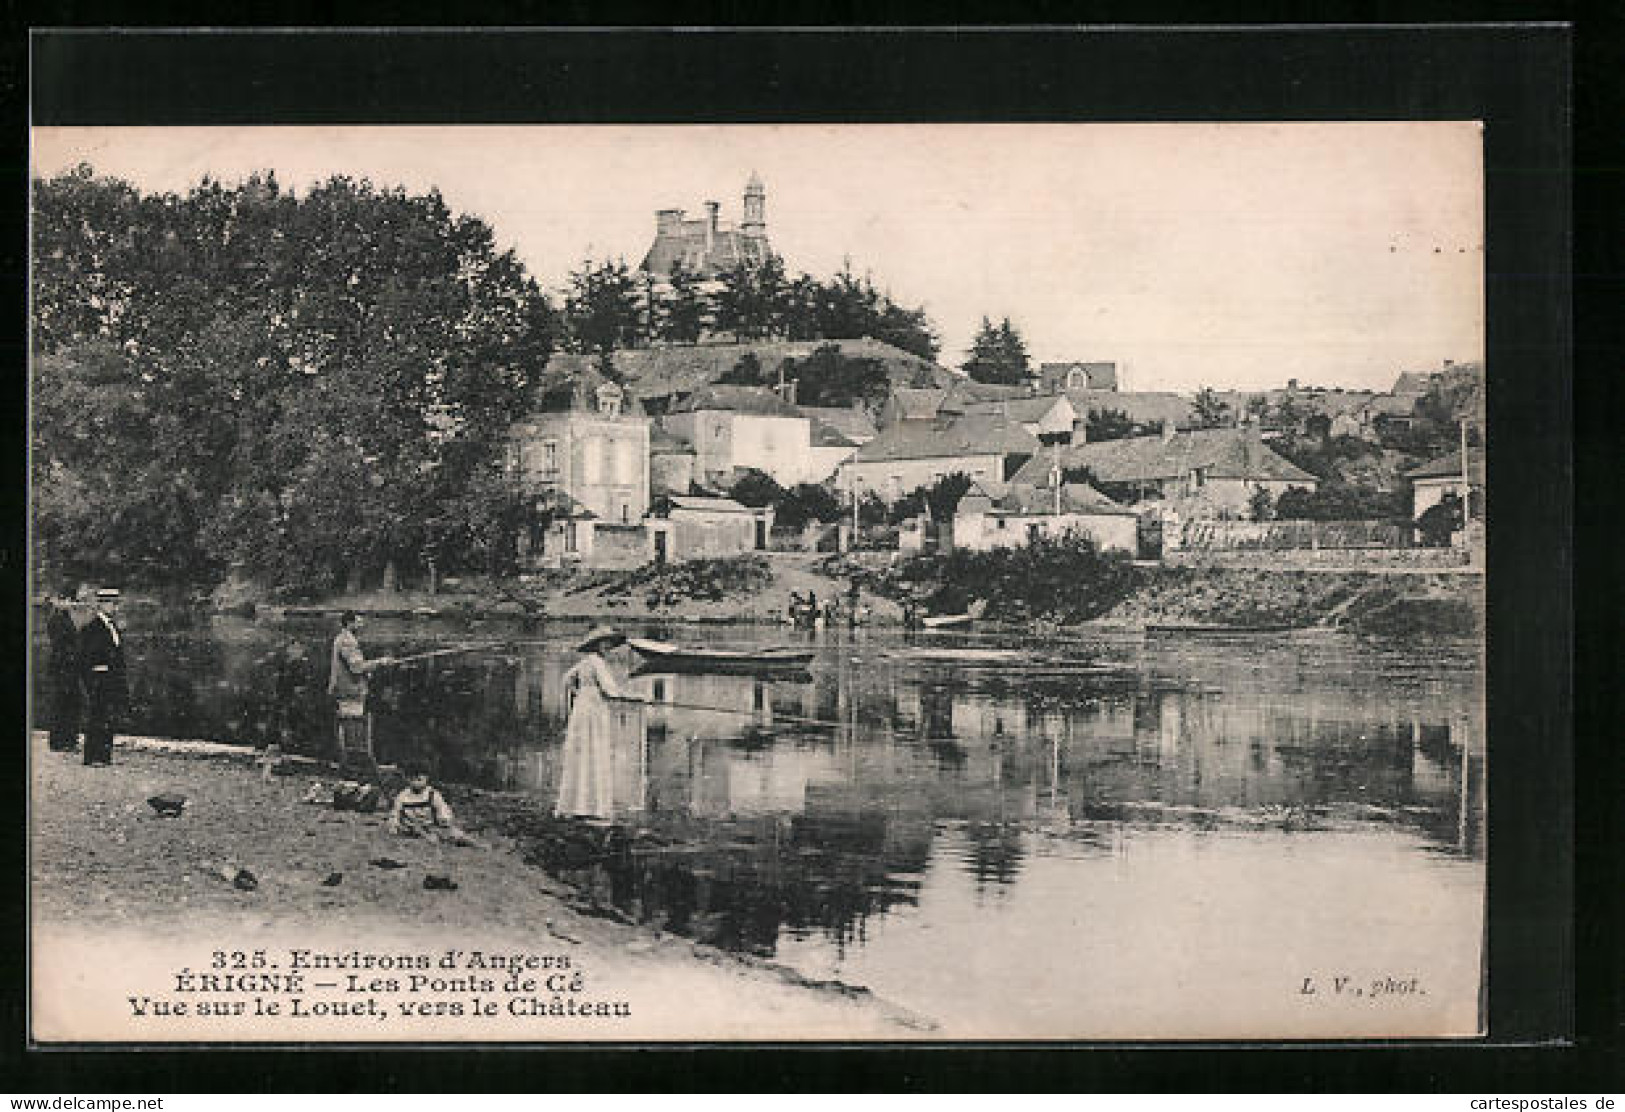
605, 719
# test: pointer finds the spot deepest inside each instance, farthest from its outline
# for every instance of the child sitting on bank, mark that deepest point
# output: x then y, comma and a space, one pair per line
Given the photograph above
420, 811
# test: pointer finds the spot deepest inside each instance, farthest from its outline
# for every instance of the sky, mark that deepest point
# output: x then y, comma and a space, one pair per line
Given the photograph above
1230, 255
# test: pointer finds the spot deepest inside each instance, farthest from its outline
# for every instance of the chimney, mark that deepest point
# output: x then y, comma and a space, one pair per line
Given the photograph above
711, 208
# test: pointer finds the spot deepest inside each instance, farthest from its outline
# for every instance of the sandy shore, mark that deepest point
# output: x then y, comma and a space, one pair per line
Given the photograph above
124, 900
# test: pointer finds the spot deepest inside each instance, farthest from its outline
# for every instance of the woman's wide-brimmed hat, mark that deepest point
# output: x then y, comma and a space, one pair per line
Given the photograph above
600, 637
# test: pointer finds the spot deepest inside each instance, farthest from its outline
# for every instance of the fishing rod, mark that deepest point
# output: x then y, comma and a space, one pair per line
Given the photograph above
777, 717
391, 662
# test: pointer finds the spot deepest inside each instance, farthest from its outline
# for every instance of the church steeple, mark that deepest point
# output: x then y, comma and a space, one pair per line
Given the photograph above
755, 221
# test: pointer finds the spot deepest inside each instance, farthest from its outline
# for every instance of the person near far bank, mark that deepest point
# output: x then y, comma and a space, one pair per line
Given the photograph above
101, 669
67, 690
347, 684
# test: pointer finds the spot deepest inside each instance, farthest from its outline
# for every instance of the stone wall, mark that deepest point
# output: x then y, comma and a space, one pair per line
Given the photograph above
1342, 559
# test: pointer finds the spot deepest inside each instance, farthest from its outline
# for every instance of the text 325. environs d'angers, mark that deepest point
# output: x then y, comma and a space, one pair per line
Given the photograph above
356, 984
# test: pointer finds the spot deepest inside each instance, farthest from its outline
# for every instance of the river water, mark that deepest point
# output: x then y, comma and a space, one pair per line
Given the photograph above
1109, 836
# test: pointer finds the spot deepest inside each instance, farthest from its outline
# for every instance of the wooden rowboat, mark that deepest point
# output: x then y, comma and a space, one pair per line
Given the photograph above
951, 621
685, 658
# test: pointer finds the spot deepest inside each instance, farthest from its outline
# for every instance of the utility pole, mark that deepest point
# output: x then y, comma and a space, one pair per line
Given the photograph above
1466, 483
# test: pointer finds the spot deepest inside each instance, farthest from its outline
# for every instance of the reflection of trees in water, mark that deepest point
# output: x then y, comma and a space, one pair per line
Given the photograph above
740, 884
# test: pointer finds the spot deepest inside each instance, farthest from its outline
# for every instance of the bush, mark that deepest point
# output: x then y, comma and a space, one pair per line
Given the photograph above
1065, 578
694, 580
1340, 502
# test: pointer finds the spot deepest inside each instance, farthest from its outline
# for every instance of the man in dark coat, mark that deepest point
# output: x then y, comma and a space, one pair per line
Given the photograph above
101, 662
67, 697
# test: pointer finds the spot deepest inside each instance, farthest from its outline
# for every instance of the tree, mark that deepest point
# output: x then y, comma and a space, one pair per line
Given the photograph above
829, 378
746, 371
938, 499
298, 384
751, 302
601, 307
1261, 504
1339, 501
1440, 521
908, 329
804, 503
1109, 424
756, 488
1208, 409
998, 355
680, 314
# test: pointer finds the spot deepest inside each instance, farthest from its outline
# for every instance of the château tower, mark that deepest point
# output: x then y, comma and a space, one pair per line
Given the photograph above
755, 222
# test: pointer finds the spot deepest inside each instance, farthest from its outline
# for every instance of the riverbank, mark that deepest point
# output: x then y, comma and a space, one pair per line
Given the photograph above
111, 876
756, 590
1363, 602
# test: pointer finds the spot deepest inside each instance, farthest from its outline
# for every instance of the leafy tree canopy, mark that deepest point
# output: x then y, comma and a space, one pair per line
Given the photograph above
300, 385
998, 355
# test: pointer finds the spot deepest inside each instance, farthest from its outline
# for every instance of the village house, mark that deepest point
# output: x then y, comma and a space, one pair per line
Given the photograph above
1439, 477
913, 454
1054, 378
837, 433
1379, 413
693, 528
1044, 416
583, 461
1201, 473
734, 428
671, 463
1004, 515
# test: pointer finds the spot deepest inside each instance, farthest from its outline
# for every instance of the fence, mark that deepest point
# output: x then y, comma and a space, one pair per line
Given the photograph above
1286, 536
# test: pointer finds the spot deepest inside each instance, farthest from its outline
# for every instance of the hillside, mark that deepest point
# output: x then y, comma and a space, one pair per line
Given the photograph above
654, 372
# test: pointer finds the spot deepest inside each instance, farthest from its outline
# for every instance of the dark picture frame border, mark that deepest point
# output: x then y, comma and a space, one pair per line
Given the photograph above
1514, 77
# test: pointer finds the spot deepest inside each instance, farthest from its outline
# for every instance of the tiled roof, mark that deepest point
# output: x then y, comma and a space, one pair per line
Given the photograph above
1097, 376
853, 423
1142, 406
1017, 498
707, 505
1019, 409
1448, 466
967, 391
1222, 453
729, 248
913, 404
826, 435
971, 435
759, 401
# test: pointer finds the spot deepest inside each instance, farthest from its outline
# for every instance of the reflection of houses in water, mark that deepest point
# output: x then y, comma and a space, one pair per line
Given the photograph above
729, 783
